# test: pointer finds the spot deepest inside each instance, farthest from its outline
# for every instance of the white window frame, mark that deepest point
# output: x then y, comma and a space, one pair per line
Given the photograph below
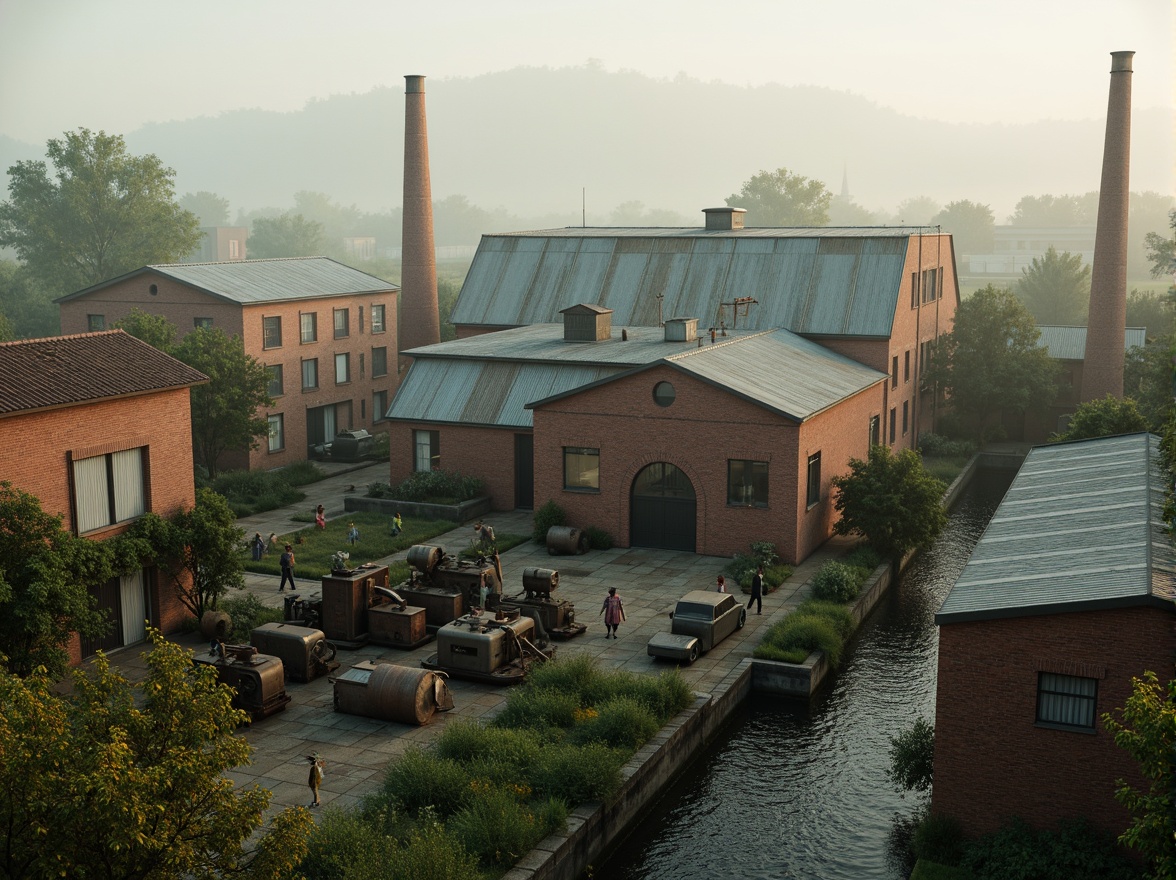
109, 489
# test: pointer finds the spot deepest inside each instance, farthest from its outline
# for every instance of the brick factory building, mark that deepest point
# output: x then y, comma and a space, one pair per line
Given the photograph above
326, 332
692, 389
1067, 596
98, 427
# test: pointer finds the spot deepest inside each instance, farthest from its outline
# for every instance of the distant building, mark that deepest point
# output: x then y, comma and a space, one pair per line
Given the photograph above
360, 247
220, 244
1068, 595
98, 427
1016, 247
326, 331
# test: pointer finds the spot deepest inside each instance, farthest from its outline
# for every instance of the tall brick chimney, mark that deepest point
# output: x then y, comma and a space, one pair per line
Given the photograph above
419, 323
1102, 372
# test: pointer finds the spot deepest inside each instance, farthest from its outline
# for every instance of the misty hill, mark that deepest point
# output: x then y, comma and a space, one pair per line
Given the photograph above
527, 140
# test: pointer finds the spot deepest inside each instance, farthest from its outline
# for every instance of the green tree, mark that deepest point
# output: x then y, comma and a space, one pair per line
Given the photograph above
1151, 311
912, 757
290, 235
103, 212
1161, 251
1048, 210
226, 412
1056, 288
27, 303
1148, 380
970, 224
916, 211
124, 780
991, 361
7, 331
890, 500
199, 550
1104, 418
156, 330
1147, 732
846, 212
781, 198
208, 206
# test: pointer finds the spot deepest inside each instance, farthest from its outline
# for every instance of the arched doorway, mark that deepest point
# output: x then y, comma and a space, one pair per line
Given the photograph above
662, 508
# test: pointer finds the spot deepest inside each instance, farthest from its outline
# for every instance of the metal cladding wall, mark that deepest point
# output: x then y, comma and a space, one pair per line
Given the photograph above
420, 324
1103, 373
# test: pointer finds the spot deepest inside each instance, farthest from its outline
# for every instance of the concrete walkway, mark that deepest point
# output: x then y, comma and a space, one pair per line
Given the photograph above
358, 749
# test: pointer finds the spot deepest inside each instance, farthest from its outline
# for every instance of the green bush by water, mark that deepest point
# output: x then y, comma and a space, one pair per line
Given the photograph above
836, 582
805, 632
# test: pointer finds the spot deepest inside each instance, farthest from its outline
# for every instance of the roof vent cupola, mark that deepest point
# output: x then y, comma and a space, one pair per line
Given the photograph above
585, 323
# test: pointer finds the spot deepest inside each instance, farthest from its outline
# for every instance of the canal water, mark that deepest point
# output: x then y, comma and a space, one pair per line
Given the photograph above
798, 789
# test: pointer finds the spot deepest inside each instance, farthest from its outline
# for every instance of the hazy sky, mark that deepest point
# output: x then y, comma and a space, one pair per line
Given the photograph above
117, 64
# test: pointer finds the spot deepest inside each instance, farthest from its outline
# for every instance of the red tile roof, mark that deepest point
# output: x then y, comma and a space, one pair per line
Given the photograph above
69, 370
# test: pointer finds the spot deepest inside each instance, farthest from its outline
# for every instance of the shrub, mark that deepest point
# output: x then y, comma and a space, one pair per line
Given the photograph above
939, 839
912, 754
835, 612
780, 655
550, 514
1075, 852
494, 827
599, 539
343, 845
430, 853
938, 445
440, 487
419, 779
807, 632
576, 774
576, 674
622, 722
836, 582
247, 614
468, 741
538, 708
764, 552
302, 473
250, 492
864, 556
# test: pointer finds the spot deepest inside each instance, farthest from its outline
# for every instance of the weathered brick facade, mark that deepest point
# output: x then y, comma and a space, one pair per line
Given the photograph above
993, 761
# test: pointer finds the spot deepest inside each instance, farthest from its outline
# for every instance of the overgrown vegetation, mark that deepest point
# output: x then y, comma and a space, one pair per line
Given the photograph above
944, 458
550, 514
599, 539
743, 566
1074, 851
250, 492
484, 795
432, 487
912, 757
247, 613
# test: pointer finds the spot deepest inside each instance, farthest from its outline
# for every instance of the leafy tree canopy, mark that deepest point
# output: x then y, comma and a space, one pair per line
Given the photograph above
27, 303
1152, 311
1161, 250
128, 780
1104, 418
890, 500
916, 211
912, 754
208, 206
844, 211
781, 198
1148, 380
1049, 210
290, 235
99, 213
156, 330
1056, 288
991, 360
970, 224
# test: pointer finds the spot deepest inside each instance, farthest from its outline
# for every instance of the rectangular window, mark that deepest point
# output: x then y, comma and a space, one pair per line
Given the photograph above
931, 278
875, 430
276, 386
202, 323
271, 329
893, 422
747, 483
905, 416
309, 374
379, 362
109, 489
234, 249
277, 433
581, 467
96, 322
914, 290
361, 358
342, 368
426, 450
379, 405
341, 324
378, 319
359, 314
308, 327
814, 479
906, 367
894, 372
1066, 701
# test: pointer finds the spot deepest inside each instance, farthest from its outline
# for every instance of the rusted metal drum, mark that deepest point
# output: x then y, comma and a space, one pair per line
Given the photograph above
216, 625
567, 540
392, 693
424, 557
540, 580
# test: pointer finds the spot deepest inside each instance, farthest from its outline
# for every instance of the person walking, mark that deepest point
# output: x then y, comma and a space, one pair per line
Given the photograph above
258, 546
353, 534
757, 591
317, 765
397, 524
721, 585
613, 611
287, 563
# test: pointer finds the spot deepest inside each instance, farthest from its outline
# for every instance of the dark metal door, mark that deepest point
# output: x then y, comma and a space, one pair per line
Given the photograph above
663, 509
525, 471
110, 604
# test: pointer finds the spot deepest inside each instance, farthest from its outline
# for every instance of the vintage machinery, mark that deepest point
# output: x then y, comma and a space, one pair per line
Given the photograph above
347, 595
395, 623
446, 586
352, 445
258, 679
555, 618
306, 612
305, 653
566, 540
498, 649
379, 689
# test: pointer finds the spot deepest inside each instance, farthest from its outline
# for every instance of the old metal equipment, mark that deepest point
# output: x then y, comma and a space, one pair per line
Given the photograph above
305, 653
555, 617
347, 595
395, 623
258, 680
566, 540
498, 648
379, 689
306, 612
447, 586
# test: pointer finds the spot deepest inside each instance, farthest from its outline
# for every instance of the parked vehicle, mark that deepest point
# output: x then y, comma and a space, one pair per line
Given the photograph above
701, 620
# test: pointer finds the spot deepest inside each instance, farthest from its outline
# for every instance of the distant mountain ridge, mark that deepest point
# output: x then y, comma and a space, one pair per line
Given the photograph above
531, 140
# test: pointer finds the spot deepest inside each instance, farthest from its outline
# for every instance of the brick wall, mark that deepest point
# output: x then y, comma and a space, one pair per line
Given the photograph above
992, 761
487, 453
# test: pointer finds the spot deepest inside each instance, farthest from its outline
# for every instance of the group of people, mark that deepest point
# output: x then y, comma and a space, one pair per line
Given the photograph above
757, 589
259, 546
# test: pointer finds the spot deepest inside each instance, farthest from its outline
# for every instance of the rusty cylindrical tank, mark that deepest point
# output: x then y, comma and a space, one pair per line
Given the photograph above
216, 625
424, 558
540, 580
393, 693
567, 540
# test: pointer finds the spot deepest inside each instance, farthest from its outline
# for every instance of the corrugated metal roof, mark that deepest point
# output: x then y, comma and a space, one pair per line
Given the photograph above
492, 379
1069, 343
259, 281
1081, 527
69, 370
835, 281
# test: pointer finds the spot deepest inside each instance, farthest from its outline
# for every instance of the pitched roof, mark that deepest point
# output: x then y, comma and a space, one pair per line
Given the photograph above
1080, 528
497, 378
1069, 343
259, 281
59, 371
813, 281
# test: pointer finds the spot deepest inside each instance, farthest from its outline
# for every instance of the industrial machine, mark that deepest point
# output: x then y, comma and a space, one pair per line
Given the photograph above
447, 586
305, 653
395, 623
347, 595
301, 611
258, 680
495, 648
555, 618
379, 689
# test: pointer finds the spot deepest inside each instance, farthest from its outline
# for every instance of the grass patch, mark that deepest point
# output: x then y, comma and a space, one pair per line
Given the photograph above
945, 467
313, 555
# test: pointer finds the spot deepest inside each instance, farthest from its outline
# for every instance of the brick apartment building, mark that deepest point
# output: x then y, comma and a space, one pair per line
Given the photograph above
1067, 596
326, 332
695, 443
98, 427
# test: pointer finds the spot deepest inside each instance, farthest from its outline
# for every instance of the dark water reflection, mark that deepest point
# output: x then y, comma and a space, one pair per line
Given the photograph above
793, 789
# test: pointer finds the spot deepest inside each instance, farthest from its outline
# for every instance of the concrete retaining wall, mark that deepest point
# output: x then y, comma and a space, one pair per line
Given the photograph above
464, 512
